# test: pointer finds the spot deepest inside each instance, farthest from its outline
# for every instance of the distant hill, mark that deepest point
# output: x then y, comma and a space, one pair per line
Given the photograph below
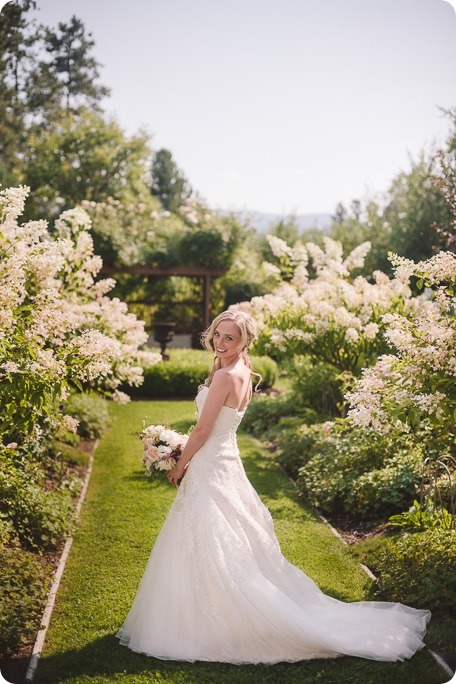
263, 222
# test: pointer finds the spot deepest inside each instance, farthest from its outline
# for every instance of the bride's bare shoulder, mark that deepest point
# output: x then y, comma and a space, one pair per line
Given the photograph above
224, 375
234, 378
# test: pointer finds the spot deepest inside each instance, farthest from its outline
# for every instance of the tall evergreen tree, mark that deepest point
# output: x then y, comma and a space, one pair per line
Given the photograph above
168, 183
68, 79
17, 47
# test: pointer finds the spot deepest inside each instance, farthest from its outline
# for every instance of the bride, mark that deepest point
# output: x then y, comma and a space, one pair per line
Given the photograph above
216, 586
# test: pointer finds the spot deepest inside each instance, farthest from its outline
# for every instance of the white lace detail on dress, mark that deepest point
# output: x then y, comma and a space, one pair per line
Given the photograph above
217, 587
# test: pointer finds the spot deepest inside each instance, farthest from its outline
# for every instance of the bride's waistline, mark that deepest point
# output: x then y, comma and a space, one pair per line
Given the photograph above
215, 450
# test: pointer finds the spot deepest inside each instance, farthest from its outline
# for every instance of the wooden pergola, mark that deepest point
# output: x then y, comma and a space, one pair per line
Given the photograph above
204, 273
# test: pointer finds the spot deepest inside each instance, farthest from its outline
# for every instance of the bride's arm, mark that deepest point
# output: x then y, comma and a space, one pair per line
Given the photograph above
216, 397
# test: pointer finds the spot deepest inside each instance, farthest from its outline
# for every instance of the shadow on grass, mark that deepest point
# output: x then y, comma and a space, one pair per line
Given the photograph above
270, 481
183, 426
105, 658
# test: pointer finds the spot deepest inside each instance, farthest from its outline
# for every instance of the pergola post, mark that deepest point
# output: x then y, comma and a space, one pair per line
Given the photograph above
207, 301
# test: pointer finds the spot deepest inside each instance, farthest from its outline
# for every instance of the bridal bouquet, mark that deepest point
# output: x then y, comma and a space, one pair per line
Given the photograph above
162, 448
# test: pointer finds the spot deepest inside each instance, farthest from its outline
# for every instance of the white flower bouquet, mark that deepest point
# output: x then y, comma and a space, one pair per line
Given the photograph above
162, 448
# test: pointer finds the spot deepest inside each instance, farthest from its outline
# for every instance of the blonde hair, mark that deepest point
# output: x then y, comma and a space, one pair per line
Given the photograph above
247, 328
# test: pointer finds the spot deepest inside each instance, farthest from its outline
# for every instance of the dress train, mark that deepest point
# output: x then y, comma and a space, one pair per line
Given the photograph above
217, 587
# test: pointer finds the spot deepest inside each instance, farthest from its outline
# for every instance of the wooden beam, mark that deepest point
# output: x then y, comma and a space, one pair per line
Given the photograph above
189, 271
186, 302
202, 272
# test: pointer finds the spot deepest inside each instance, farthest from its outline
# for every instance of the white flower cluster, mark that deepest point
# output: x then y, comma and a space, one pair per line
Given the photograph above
56, 322
421, 379
330, 314
439, 268
162, 448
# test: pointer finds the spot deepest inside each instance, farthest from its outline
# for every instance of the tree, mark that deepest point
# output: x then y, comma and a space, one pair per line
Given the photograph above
84, 156
362, 222
444, 179
68, 80
414, 204
34, 91
403, 220
128, 233
168, 183
17, 42
340, 214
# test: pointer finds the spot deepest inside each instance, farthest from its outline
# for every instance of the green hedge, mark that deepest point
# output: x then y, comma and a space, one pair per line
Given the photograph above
270, 417
315, 385
91, 411
419, 569
186, 370
23, 586
359, 472
267, 368
41, 519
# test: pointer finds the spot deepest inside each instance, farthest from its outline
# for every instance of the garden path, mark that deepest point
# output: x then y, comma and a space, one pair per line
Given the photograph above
122, 515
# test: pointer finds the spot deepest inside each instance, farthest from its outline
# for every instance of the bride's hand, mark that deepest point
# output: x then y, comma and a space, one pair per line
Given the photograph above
176, 473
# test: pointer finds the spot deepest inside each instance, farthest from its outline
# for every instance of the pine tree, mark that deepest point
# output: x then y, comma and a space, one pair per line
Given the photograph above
68, 79
168, 183
17, 48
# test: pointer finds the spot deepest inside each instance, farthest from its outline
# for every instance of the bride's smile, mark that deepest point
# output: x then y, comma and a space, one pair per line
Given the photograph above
227, 342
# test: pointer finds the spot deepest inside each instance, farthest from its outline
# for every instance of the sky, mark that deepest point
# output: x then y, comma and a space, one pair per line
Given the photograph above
278, 106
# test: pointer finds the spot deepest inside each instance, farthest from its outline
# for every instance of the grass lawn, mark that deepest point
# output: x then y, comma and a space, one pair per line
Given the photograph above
121, 517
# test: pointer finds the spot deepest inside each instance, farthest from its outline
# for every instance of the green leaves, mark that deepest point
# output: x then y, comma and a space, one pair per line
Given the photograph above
424, 517
77, 383
420, 570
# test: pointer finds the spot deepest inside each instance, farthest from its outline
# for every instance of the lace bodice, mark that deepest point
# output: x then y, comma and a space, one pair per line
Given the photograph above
227, 421
215, 473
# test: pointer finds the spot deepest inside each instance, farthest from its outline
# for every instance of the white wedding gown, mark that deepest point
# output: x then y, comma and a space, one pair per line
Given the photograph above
218, 588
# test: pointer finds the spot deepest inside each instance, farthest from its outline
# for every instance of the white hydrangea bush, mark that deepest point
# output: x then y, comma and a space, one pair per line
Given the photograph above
419, 380
319, 308
58, 328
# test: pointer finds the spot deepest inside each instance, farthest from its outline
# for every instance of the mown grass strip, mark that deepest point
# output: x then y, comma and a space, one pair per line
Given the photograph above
121, 517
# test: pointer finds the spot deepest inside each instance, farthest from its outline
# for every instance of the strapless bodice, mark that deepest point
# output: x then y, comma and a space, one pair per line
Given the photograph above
227, 421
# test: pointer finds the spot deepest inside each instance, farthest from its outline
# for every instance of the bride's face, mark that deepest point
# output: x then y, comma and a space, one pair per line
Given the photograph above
227, 341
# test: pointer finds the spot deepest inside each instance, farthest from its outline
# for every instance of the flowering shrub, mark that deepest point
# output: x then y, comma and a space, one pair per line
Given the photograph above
420, 381
320, 309
136, 232
57, 326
